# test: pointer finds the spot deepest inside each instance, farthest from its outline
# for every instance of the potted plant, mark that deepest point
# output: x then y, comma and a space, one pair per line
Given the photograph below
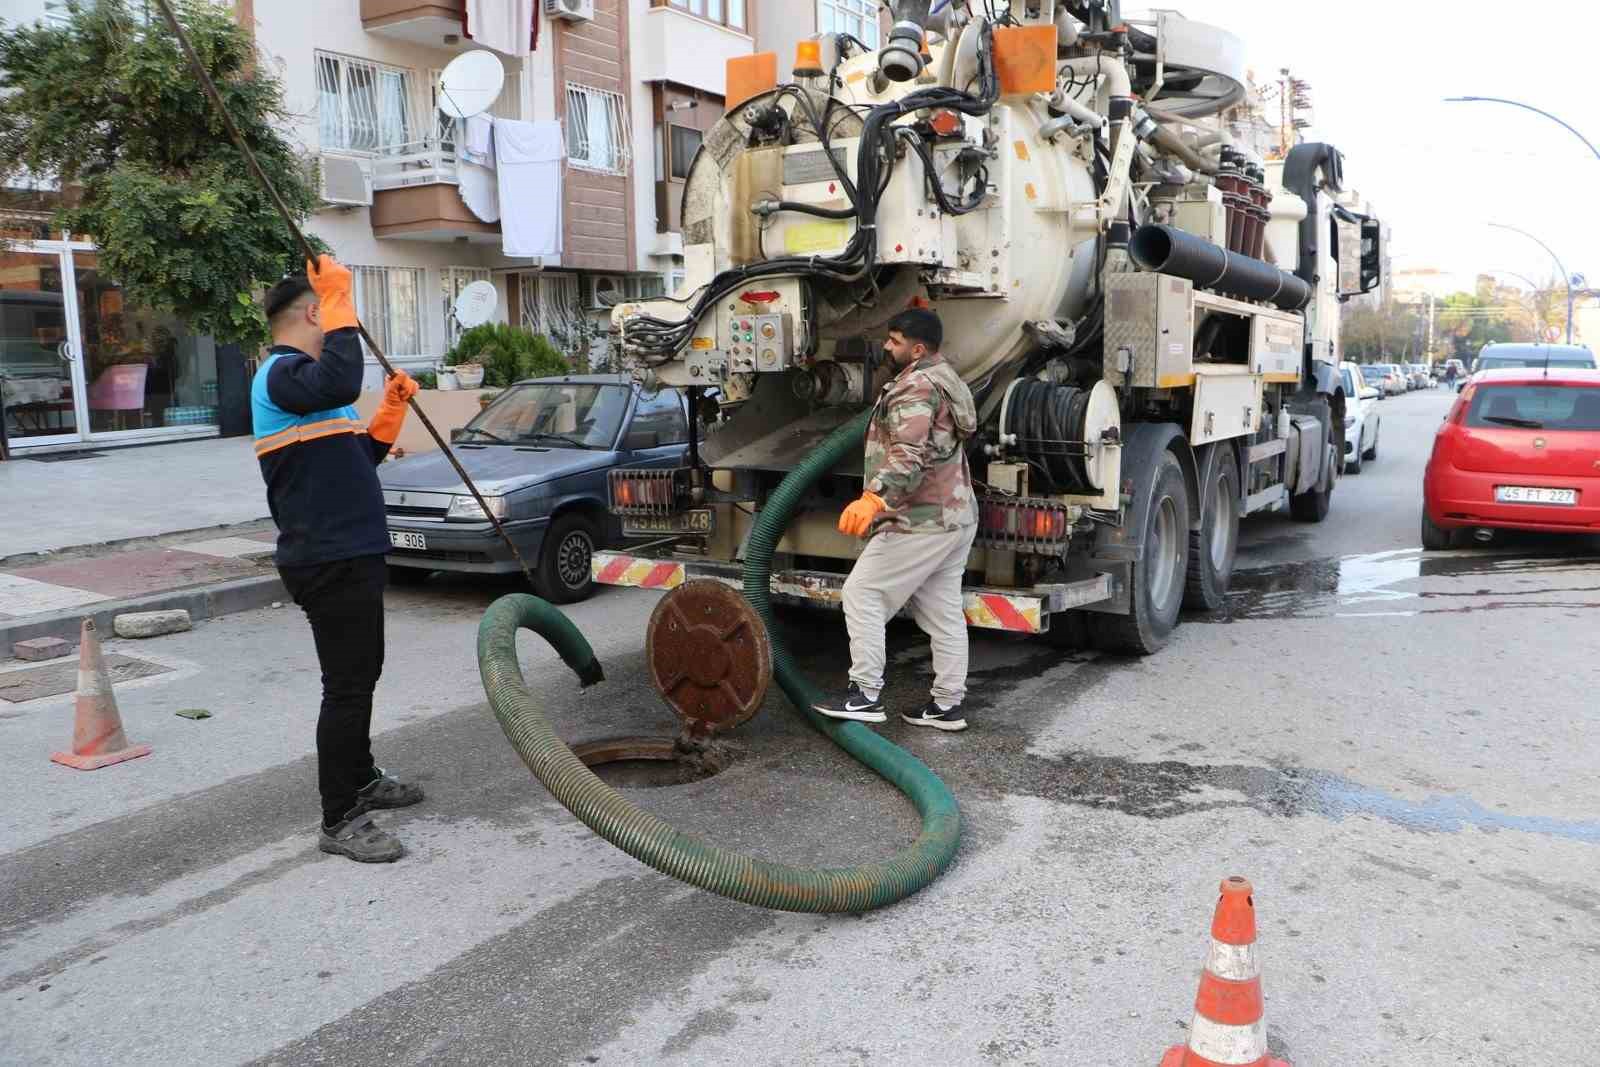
470, 375
503, 355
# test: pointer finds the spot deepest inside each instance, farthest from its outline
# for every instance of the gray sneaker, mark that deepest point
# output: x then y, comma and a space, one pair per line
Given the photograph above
359, 838
386, 791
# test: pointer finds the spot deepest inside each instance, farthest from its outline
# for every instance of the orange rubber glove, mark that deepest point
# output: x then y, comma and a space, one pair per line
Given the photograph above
391, 413
335, 289
857, 518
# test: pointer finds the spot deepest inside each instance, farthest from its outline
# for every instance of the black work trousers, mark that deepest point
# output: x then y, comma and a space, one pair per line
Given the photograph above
343, 601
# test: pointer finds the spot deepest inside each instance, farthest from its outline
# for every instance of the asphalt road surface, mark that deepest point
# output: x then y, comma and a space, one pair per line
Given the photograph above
1399, 751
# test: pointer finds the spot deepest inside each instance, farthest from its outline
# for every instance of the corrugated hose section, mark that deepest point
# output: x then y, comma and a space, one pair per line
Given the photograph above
652, 841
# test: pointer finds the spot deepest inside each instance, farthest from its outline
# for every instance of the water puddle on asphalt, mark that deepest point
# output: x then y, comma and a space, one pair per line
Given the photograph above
1169, 789
1395, 584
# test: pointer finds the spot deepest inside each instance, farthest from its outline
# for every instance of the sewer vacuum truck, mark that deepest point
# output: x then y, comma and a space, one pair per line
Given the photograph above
1147, 314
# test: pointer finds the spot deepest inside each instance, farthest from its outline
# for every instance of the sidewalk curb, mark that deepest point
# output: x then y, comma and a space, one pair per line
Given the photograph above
202, 602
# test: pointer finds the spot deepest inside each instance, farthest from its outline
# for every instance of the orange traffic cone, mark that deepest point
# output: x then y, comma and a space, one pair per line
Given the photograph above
1229, 1027
97, 737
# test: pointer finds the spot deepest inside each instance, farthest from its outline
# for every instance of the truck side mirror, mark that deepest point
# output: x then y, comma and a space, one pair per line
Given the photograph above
1371, 255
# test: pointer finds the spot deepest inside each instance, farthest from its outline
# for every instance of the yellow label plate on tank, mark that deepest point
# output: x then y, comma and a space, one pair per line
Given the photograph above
807, 237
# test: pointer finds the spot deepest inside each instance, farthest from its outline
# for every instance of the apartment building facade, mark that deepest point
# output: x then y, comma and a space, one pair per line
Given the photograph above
634, 84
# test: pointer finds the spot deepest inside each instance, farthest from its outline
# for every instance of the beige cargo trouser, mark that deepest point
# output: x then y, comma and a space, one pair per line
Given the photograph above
923, 571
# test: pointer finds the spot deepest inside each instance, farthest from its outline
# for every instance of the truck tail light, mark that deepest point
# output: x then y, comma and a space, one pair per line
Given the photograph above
1033, 526
649, 492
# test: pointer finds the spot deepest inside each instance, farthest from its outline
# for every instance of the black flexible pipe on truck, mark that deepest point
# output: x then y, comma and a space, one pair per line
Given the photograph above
1168, 250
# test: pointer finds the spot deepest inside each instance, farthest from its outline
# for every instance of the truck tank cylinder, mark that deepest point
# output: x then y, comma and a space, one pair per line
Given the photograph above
1168, 250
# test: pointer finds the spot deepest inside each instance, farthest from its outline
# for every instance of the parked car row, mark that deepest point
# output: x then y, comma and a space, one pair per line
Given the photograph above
1386, 378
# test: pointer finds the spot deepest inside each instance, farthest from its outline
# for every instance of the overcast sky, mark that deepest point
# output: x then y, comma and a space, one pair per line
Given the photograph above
1438, 172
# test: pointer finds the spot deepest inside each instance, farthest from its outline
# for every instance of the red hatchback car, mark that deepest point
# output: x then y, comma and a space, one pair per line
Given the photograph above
1520, 450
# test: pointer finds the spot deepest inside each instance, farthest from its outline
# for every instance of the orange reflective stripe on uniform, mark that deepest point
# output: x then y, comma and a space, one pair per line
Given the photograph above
308, 432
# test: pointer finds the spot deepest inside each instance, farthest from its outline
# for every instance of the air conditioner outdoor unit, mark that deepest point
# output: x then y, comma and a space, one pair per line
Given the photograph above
571, 10
606, 291
346, 181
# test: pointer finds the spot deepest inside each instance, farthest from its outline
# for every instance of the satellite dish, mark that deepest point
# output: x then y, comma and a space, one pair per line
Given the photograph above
475, 306
470, 83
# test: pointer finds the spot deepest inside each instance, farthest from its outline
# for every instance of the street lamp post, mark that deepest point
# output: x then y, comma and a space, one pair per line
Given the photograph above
1570, 129
1565, 276
1526, 107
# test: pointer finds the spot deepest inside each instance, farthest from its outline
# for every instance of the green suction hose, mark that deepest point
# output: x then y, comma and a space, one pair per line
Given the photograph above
652, 841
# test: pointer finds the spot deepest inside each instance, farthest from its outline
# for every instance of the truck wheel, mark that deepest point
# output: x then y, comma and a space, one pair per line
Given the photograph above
1353, 466
1371, 454
564, 563
1213, 547
1314, 504
1436, 538
1156, 595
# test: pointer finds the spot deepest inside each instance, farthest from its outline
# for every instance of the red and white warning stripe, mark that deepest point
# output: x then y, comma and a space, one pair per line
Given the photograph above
609, 569
984, 610
1001, 611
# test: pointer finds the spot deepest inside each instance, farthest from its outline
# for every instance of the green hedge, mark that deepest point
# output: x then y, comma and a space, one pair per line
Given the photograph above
507, 354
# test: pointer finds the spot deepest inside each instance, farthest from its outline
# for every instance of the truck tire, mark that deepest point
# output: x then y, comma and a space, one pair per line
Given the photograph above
1314, 504
563, 571
1156, 593
1214, 547
1371, 454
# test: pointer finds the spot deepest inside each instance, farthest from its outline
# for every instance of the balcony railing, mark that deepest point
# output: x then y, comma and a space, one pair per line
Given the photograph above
427, 162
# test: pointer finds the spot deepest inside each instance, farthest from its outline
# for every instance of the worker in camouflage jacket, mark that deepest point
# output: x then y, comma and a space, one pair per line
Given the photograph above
919, 517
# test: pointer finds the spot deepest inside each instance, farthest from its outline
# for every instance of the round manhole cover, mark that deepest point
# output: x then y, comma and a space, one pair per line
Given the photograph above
710, 657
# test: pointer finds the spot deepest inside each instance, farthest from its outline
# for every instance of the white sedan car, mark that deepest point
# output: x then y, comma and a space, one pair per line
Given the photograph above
1361, 419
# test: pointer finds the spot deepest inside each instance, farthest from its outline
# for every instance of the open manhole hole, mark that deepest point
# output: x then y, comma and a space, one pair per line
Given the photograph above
654, 762
34, 683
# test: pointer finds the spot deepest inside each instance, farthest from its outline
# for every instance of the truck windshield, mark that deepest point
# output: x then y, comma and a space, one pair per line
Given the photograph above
1536, 407
573, 415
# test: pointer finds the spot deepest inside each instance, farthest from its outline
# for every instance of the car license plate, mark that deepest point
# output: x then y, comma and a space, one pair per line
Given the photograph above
414, 541
699, 521
1522, 494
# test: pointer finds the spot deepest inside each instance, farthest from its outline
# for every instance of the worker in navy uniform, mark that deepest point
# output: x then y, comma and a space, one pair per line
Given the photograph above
320, 466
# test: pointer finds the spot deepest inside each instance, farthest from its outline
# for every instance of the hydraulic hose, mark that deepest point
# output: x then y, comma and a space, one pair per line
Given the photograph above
652, 841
